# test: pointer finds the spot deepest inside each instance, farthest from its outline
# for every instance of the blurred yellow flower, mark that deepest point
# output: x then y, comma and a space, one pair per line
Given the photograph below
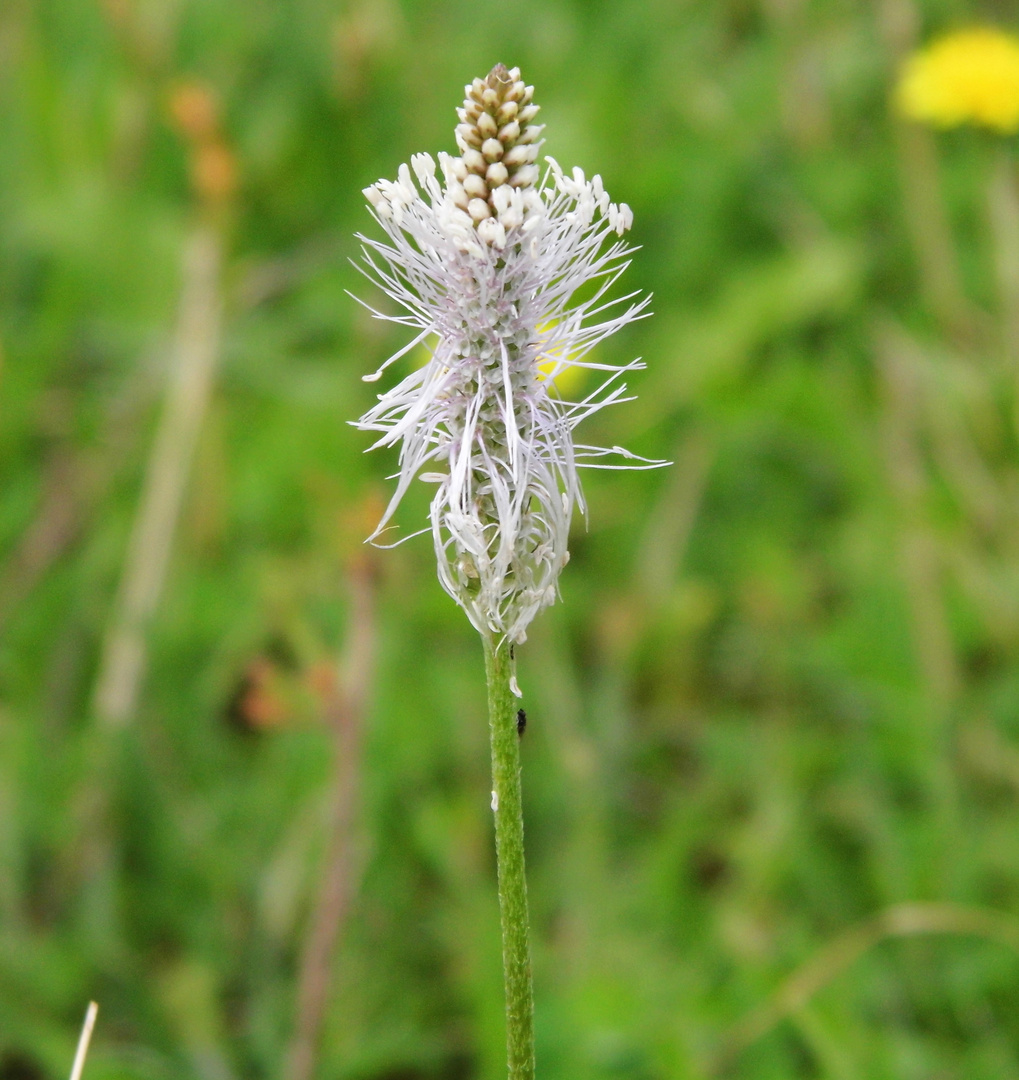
566, 380
970, 76
562, 374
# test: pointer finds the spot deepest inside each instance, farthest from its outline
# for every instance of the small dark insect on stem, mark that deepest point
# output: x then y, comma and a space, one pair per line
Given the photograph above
521, 721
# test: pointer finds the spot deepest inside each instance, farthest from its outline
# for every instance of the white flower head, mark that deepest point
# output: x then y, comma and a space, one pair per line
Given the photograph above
486, 259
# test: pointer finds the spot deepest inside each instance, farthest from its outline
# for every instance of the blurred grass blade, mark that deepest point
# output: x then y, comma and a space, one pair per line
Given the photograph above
924, 207
1003, 200
192, 363
920, 557
830, 961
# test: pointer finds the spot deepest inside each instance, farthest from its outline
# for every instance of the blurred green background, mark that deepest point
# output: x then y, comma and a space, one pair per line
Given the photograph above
774, 723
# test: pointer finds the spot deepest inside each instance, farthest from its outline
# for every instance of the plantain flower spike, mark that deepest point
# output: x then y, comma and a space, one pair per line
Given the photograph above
485, 259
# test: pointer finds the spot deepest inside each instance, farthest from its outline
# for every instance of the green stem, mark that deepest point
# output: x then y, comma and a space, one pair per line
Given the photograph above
509, 850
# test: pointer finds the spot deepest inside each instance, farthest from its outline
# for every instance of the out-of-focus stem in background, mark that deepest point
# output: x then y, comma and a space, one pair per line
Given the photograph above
926, 217
192, 366
346, 702
919, 557
1003, 210
193, 360
922, 569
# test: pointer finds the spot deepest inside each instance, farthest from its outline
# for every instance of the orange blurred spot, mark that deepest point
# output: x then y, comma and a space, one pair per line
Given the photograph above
118, 11
261, 705
322, 680
214, 171
195, 111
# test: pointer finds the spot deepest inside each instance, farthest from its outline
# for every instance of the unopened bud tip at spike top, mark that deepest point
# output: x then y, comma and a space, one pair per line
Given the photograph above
480, 260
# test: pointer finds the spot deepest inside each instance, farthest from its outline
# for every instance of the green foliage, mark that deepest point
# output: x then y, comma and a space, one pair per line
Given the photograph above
779, 695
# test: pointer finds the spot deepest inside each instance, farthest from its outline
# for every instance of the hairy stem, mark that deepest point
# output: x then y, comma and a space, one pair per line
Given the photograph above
509, 848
